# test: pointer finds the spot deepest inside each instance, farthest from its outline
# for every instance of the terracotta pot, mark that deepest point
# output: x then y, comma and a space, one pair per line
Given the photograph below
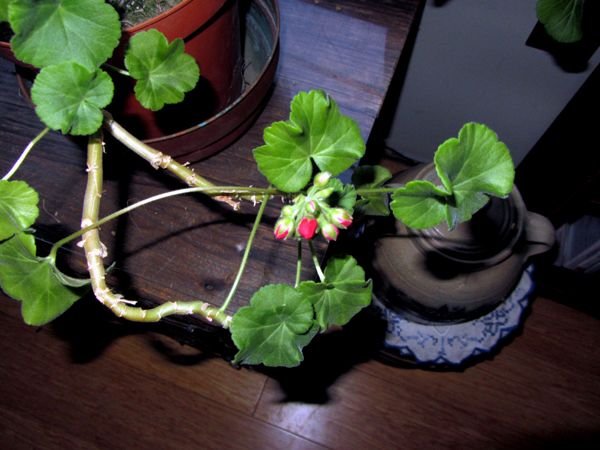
437, 275
211, 32
200, 126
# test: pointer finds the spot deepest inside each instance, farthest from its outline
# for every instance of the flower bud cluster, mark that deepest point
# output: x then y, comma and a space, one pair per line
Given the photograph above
310, 214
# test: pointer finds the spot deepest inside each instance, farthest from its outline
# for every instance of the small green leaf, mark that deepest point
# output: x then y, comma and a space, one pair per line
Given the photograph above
419, 204
370, 177
562, 19
343, 293
343, 195
53, 31
70, 98
18, 207
317, 132
32, 281
476, 163
273, 329
164, 73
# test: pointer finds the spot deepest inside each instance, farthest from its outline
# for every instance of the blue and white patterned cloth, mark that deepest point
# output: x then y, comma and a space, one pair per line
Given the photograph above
455, 344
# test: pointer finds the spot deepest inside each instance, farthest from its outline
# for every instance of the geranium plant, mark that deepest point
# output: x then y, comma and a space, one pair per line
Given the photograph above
301, 160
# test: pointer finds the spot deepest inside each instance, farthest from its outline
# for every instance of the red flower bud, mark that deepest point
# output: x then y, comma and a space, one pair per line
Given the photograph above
307, 227
341, 217
283, 228
329, 232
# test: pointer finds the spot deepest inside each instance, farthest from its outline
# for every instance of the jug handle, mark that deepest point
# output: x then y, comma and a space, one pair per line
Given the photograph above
540, 234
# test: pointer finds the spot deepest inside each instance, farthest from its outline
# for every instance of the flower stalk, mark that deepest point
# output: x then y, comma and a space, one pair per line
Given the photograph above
242, 268
24, 154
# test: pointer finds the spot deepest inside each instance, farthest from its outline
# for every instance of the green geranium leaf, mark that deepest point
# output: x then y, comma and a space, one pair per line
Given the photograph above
419, 204
343, 293
476, 163
70, 98
53, 31
343, 195
274, 328
562, 19
33, 281
317, 132
164, 73
18, 207
4, 10
370, 177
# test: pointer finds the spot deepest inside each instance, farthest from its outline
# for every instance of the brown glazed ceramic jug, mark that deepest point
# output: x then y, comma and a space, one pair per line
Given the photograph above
438, 275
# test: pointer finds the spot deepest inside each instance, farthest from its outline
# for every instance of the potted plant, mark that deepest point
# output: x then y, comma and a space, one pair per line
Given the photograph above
218, 108
301, 160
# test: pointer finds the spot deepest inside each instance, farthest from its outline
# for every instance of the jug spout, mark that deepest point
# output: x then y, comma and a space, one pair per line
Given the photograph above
540, 234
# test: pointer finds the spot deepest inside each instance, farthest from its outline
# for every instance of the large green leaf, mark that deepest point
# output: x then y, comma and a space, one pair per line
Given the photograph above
273, 329
317, 132
562, 19
4, 10
371, 177
53, 31
419, 204
33, 281
474, 164
343, 293
18, 207
164, 73
70, 98
471, 168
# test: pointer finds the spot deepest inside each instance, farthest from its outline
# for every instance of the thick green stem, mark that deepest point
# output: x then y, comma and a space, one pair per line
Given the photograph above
298, 264
159, 160
315, 259
24, 154
242, 267
95, 252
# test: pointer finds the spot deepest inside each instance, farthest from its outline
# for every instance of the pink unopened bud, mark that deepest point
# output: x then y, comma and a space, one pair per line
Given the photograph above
311, 207
307, 227
329, 232
283, 228
341, 217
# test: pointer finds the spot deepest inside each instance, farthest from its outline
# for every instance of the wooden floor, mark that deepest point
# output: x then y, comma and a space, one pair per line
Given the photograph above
100, 385
97, 383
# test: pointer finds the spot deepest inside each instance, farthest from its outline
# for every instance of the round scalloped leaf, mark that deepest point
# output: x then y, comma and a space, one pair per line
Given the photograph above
273, 329
33, 281
164, 72
18, 207
70, 97
474, 164
53, 31
317, 132
419, 204
343, 293
562, 19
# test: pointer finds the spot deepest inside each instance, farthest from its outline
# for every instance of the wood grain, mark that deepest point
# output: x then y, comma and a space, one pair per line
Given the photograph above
91, 381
